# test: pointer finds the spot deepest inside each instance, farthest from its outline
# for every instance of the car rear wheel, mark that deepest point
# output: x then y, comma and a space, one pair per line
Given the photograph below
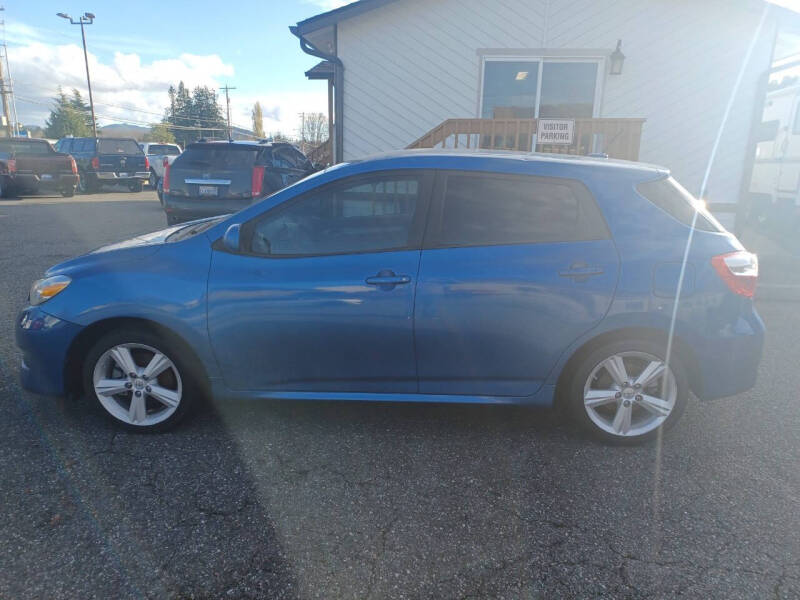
153, 179
136, 186
623, 392
68, 192
139, 380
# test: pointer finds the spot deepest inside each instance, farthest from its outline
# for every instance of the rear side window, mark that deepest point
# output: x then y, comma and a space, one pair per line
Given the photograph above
220, 156
672, 198
105, 146
484, 209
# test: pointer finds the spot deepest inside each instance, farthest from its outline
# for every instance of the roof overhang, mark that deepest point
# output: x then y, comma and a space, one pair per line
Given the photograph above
332, 17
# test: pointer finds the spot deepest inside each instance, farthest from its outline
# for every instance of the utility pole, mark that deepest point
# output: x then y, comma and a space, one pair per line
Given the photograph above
228, 104
5, 91
86, 19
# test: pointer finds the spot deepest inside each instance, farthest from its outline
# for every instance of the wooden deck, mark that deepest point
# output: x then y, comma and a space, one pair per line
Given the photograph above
619, 138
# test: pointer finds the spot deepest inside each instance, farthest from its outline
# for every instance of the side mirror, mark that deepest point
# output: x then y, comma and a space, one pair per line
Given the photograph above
231, 238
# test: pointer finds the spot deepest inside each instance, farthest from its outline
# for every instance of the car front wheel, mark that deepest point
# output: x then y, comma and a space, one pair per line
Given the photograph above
624, 392
139, 380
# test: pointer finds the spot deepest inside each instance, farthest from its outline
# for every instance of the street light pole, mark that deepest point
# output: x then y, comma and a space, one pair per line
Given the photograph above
85, 19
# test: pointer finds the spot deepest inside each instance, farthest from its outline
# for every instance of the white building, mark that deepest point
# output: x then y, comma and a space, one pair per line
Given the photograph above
398, 69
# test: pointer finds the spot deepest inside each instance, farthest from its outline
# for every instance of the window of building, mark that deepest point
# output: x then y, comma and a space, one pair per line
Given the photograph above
540, 87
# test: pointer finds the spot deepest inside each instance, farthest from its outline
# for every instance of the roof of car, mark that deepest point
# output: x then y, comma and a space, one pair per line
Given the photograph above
540, 157
255, 143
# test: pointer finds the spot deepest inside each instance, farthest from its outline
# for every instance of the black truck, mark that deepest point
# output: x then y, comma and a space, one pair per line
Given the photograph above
215, 178
107, 161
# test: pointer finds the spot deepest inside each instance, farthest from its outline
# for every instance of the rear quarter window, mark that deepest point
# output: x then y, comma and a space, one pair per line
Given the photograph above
673, 199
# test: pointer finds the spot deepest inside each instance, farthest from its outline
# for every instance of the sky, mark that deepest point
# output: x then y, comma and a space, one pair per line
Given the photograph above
137, 49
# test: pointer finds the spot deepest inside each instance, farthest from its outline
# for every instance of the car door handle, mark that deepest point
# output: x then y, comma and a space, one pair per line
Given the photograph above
581, 272
388, 279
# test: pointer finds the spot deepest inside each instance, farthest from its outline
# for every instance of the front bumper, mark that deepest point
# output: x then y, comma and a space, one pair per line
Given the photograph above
62, 181
187, 207
45, 341
728, 364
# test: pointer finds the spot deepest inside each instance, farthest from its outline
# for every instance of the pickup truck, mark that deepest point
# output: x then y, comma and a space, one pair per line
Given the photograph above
107, 161
37, 167
160, 155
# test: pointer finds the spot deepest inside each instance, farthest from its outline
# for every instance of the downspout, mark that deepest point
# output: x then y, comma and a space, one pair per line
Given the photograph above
338, 91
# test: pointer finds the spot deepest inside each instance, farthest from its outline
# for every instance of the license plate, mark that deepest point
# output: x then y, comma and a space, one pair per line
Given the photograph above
46, 177
207, 190
124, 174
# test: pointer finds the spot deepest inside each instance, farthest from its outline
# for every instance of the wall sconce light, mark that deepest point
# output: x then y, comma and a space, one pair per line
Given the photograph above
617, 59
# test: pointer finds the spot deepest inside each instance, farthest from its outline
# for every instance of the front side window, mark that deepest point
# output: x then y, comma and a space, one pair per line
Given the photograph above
482, 209
548, 88
371, 214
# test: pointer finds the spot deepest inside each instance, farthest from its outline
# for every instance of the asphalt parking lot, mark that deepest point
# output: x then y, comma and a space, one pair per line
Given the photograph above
349, 500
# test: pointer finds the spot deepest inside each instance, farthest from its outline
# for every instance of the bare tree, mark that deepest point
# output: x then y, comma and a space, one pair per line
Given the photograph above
313, 130
258, 121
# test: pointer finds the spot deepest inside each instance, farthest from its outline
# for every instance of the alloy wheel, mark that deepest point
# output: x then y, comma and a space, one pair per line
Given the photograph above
137, 384
630, 394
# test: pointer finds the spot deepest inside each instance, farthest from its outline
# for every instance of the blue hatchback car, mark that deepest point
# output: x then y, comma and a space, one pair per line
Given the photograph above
434, 276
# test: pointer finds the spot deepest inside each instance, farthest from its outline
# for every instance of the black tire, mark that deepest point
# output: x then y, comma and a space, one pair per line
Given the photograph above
153, 179
68, 192
188, 384
173, 220
577, 379
136, 186
86, 184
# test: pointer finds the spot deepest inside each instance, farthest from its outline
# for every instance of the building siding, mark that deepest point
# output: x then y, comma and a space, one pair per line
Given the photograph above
414, 63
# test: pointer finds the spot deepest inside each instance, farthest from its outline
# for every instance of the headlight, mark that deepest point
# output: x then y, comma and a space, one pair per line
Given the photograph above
46, 288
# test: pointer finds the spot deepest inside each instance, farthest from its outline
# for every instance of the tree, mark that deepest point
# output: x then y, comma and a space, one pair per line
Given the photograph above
67, 117
80, 106
194, 115
277, 136
313, 131
258, 121
159, 132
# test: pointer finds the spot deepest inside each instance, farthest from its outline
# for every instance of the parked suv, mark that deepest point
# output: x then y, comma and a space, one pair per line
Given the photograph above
37, 167
433, 277
214, 178
159, 156
107, 161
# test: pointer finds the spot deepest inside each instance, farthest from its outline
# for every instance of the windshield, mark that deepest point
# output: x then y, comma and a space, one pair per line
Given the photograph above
167, 150
218, 156
107, 146
195, 229
25, 147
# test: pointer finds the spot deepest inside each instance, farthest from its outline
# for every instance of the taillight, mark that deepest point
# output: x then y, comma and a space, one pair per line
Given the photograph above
165, 162
73, 165
146, 164
739, 271
257, 185
95, 163
165, 179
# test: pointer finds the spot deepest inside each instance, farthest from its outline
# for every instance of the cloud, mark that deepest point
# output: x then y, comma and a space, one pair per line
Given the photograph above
130, 89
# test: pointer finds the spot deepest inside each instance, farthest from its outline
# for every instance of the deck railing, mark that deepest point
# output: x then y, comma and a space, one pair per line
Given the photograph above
618, 138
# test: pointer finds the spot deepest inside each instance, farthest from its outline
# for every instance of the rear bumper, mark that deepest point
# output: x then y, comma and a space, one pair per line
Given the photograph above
44, 341
42, 182
198, 208
105, 176
728, 364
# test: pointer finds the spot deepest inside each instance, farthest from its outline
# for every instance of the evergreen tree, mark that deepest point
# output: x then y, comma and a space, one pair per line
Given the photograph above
81, 107
66, 118
199, 112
